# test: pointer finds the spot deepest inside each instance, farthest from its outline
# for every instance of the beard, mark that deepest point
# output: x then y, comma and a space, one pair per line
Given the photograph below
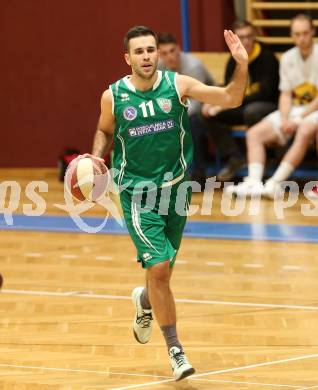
142, 75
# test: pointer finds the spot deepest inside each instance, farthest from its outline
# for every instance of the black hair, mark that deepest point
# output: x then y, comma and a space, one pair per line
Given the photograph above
166, 37
241, 24
138, 31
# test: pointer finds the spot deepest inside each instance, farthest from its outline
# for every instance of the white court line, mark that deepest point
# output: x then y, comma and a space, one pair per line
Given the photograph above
33, 254
310, 387
76, 294
221, 371
245, 383
103, 258
69, 256
215, 263
80, 370
253, 265
292, 267
182, 261
79, 294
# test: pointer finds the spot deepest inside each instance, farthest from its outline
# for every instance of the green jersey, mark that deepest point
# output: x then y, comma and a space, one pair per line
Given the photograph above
152, 135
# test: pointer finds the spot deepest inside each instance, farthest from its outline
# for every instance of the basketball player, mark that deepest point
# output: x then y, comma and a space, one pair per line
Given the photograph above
146, 115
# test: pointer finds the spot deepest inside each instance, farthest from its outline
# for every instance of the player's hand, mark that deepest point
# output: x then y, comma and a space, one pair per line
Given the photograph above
236, 47
208, 110
205, 110
85, 155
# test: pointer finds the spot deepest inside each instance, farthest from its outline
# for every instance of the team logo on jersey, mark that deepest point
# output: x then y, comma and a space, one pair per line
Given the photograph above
124, 97
165, 105
130, 113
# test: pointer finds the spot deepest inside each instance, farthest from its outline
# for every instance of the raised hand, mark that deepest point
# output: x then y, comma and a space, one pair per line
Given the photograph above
236, 48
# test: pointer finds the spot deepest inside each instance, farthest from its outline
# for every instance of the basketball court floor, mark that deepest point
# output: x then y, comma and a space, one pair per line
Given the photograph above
246, 290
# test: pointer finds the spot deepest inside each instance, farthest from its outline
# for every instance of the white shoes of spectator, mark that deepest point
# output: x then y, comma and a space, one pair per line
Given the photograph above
247, 188
250, 188
272, 189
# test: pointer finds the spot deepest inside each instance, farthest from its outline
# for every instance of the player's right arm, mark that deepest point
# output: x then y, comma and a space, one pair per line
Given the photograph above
229, 96
104, 135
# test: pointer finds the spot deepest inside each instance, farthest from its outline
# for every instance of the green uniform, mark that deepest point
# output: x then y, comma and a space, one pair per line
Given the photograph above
152, 151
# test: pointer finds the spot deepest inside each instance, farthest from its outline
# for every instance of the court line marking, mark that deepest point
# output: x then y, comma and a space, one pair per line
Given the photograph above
33, 254
81, 370
215, 263
291, 267
79, 294
103, 258
69, 256
224, 371
311, 387
245, 383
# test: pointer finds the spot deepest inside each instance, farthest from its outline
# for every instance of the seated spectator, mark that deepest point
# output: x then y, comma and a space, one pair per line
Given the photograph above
297, 115
260, 99
172, 58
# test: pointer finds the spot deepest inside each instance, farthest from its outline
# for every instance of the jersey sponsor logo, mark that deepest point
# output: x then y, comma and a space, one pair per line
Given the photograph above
152, 128
124, 97
164, 104
130, 113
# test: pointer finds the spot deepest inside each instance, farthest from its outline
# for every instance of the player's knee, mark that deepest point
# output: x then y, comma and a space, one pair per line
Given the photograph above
306, 132
159, 273
254, 135
251, 113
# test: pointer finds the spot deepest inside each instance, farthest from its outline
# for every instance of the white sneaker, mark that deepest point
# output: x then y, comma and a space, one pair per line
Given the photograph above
272, 189
180, 366
249, 187
142, 324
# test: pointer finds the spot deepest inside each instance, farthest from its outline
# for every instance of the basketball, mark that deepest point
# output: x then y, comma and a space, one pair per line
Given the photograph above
87, 179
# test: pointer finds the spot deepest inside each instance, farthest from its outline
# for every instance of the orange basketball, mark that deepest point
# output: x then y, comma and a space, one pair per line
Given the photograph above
87, 178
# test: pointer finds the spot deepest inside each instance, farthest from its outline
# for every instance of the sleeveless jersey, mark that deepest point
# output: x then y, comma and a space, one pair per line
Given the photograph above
152, 134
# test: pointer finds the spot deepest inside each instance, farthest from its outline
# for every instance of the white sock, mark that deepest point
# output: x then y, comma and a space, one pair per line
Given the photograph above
283, 171
256, 171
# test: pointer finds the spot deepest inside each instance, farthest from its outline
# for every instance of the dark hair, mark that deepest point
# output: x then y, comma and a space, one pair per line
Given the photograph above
138, 31
241, 24
166, 37
303, 17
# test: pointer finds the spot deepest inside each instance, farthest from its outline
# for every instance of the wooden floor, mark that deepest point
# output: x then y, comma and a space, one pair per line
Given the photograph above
247, 311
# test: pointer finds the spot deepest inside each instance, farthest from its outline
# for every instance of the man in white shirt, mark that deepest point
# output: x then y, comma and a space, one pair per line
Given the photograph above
297, 114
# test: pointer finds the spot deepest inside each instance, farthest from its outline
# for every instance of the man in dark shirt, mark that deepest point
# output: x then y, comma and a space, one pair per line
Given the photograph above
173, 58
260, 99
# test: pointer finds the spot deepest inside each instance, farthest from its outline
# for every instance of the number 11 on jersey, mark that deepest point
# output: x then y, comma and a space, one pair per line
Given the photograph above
144, 107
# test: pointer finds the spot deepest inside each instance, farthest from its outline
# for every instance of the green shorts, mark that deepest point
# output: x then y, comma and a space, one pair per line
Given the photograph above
155, 221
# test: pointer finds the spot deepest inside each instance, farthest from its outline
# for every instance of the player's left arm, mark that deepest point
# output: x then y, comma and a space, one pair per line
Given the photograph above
229, 96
